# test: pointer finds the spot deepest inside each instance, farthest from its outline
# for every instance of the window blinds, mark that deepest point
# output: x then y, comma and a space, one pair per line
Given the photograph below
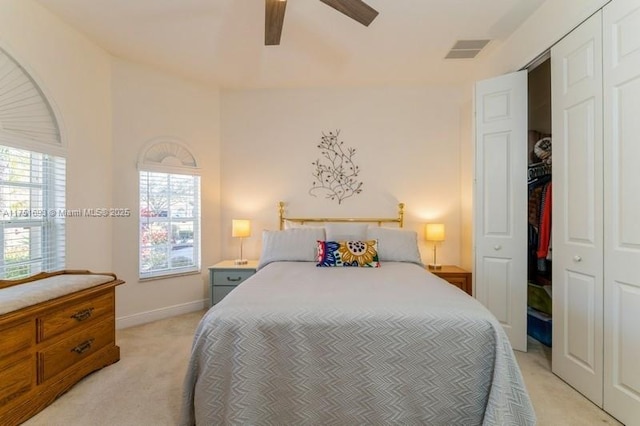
32, 215
26, 118
32, 177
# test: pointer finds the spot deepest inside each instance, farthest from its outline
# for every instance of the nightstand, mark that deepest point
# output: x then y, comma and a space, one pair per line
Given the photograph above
456, 276
226, 275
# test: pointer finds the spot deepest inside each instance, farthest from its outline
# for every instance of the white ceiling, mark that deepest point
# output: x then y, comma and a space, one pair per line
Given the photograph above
221, 42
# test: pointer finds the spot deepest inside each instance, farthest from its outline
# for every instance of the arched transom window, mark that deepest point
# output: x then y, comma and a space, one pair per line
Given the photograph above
32, 177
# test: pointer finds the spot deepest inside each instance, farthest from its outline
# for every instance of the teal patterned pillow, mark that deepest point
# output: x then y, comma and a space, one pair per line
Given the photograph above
348, 253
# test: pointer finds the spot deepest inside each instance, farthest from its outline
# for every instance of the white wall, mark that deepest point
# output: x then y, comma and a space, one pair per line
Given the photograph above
148, 104
466, 185
552, 21
75, 76
408, 150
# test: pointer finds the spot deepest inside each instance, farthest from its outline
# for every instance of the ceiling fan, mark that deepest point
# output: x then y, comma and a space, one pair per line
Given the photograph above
274, 16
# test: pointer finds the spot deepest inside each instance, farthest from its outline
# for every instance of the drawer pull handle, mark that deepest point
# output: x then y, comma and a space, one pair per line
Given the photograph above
83, 347
234, 279
577, 258
497, 247
82, 315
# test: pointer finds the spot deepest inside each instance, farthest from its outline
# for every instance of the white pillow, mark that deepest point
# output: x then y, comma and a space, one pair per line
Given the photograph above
396, 245
297, 244
346, 231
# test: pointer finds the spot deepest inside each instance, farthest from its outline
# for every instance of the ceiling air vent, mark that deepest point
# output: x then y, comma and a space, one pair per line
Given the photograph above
466, 49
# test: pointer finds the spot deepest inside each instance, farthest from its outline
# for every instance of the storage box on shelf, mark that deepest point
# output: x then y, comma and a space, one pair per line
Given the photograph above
539, 326
539, 297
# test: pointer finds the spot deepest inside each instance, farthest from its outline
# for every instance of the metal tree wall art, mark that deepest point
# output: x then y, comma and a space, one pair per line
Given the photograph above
335, 174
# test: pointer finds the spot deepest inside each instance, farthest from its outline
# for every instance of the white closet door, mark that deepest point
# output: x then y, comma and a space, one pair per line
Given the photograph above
622, 210
577, 241
501, 202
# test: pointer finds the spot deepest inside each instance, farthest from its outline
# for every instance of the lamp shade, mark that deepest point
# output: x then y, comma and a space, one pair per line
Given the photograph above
240, 228
434, 232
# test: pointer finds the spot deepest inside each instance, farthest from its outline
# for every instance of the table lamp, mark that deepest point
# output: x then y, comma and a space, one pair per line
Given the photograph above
434, 232
240, 228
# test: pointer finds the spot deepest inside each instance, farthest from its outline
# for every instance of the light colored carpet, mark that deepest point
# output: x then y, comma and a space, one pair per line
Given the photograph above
145, 386
555, 402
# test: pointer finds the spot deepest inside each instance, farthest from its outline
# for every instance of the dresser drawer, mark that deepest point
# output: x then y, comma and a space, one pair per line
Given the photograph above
78, 314
230, 278
70, 350
16, 337
16, 378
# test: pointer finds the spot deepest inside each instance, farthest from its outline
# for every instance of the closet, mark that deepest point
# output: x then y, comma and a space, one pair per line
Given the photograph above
539, 205
595, 79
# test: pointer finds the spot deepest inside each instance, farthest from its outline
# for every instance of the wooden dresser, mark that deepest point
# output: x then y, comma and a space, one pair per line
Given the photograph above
47, 347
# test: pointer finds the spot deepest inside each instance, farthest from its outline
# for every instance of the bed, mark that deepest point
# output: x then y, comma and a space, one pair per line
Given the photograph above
298, 344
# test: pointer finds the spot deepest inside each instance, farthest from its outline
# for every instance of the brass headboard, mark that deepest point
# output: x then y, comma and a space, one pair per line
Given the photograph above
379, 220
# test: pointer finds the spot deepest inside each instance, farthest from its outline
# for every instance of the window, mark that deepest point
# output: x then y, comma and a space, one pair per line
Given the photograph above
32, 223
32, 177
169, 219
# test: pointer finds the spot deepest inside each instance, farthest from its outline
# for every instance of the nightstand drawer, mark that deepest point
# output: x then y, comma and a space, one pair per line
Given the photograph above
230, 278
460, 282
220, 292
456, 276
226, 275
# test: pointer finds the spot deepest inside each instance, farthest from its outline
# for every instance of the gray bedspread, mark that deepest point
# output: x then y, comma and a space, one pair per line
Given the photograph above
300, 345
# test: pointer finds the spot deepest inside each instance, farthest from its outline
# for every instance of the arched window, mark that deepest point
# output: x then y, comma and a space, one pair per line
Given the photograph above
169, 210
32, 177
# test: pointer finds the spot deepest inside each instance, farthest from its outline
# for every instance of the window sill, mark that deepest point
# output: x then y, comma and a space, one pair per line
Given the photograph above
162, 277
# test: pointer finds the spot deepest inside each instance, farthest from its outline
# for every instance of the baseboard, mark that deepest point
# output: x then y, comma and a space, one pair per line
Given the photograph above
158, 314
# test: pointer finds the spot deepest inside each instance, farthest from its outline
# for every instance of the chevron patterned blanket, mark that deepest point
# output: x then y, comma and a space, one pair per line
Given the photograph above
300, 345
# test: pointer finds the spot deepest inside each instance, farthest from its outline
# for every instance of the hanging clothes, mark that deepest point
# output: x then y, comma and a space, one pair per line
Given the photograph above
539, 183
544, 230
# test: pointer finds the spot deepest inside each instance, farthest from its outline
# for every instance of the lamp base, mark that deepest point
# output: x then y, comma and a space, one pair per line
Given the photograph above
240, 261
435, 266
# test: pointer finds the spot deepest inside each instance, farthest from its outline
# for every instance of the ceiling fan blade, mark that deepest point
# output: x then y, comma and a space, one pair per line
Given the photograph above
354, 9
273, 21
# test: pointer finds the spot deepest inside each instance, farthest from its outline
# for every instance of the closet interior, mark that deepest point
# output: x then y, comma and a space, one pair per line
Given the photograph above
539, 162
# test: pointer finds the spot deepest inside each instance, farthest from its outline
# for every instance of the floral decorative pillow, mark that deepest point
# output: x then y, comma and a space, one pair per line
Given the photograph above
348, 253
